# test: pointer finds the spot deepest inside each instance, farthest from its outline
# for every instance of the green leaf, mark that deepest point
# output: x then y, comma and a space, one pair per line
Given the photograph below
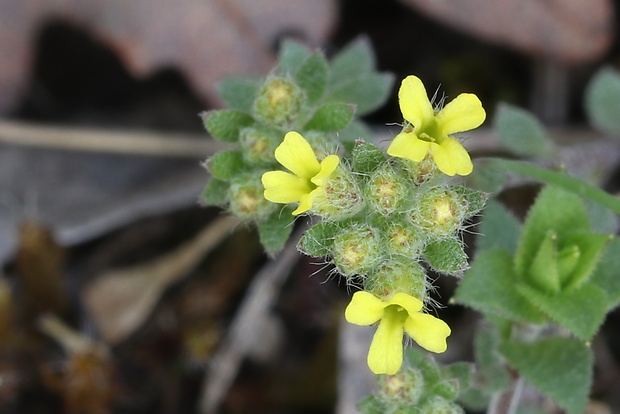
554, 209
356, 59
215, 193
226, 164
601, 219
370, 405
581, 311
276, 229
474, 199
446, 256
225, 124
366, 157
543, 271
489, 287
521, 132
602, 101
560, 368
317, 241
368, 92
239, 92
590, 247
499, 228
331, 117
607, 274
561, 180
312, 77
492, 373
292, 54
463, 372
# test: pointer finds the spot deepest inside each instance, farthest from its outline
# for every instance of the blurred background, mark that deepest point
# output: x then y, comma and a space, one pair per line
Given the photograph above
119, 294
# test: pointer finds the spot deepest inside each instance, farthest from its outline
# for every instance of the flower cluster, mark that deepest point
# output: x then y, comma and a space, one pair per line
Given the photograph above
384, 214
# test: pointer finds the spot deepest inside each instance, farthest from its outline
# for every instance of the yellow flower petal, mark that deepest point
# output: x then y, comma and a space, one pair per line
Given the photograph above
385, 355
305, 204
364, 309
328, 166
297, 156
414, 103
409, 303
407, 145
429, 332
463, 113
283, 187
451, 158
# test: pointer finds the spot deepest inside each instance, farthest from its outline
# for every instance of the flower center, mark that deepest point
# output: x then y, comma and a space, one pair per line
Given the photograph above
430, 132
396, 314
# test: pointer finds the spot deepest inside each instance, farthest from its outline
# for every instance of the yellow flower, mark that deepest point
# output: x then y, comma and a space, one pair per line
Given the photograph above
401, 312
430, 131
308, 174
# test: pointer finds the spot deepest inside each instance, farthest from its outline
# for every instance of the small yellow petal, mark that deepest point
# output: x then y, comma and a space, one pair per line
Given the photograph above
297, 156
451, 157
429, 332
414, 103
328, 166
385, 355
364, 309
465, 112
283, 187
408, 302
407, 145
305, 204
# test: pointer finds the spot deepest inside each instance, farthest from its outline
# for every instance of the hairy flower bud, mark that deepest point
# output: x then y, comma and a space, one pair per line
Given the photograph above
279, 102
404, 388
440, 211
247, 201
356, 250
386, 190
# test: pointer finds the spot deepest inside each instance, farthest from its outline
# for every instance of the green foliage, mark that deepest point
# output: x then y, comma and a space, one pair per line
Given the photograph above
312, 76
317, 241
332, 116
215, 193
560, 368
275, 230
446, 256
607, 274
498, 228
602, 101
353, 61
225, 124
225, 165
368, 91
239, 92
489, 287
292, 54
521, 132
366, 157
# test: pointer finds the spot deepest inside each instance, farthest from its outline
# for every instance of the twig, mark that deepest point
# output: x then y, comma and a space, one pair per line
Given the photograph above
98, 140
245, 328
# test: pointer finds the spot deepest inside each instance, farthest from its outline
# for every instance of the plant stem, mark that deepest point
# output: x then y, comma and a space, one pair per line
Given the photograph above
507, 402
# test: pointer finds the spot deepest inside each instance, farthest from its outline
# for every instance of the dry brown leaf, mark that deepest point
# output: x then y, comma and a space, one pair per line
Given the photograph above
570, 31
205, 39
121, 300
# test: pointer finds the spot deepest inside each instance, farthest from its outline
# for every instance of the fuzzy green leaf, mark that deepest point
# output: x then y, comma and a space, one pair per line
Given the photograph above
276, 229
474, 199
602, 220
292, 54
499, 228
317, 241
554, 209
590, 247
521, 132
238, 92
356, 59
602, 101
225, 124
560, 368
225, 165
446, 256
312, 76
543, 271
489, 287
370, 405
366, 157
368, 92
607, 274
463, 372
331, 117
493, 375
581, 311
215, 193
356, 130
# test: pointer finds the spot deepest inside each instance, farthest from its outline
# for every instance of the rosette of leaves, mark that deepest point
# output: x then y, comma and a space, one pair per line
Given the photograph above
551, 271
320, 99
